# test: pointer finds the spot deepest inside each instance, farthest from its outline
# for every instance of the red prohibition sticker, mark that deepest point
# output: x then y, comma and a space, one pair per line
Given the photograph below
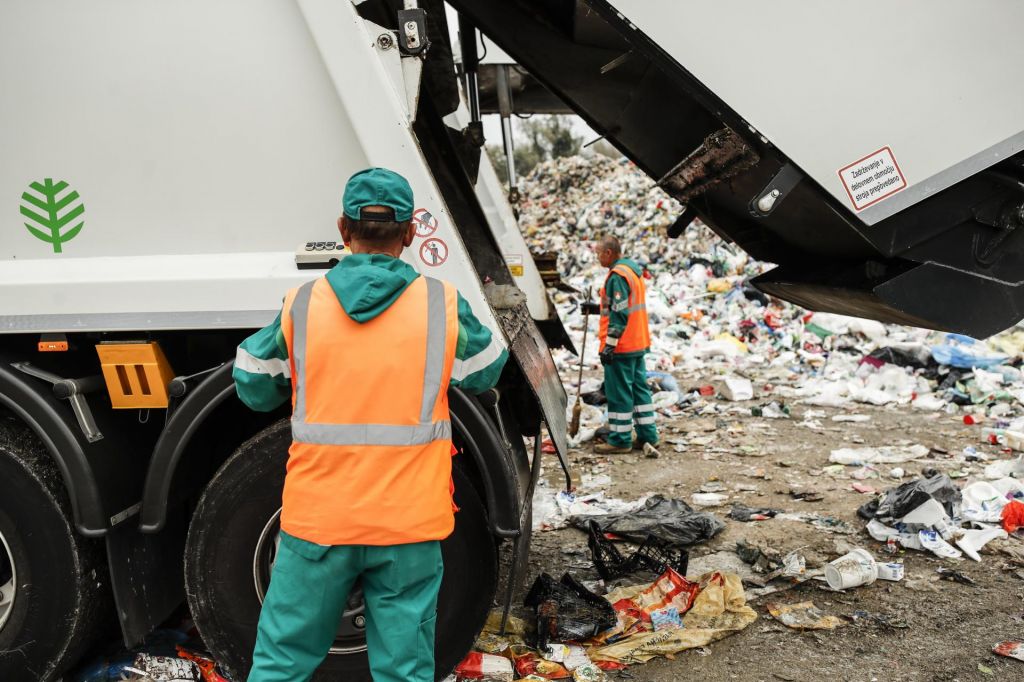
433, 252
425, 222
872, 178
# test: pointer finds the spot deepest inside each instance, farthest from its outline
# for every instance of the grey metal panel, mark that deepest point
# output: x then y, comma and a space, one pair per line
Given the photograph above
943, 179
831, 82
221, 319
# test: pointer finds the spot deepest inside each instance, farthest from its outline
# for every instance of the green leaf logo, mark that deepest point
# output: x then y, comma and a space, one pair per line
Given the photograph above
50, 209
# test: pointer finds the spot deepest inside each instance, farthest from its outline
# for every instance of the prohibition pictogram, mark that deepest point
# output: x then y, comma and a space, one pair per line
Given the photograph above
425, 222
433, 252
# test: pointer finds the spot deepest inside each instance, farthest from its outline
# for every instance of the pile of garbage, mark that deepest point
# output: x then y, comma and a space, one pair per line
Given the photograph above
932, 514
721, 350
578, 635
167, 655
718, 343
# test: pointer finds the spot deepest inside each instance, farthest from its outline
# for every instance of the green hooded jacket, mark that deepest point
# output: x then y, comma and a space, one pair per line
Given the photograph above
366, 285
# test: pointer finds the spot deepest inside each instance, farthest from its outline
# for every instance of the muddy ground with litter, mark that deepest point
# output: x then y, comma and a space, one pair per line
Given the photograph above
929, 629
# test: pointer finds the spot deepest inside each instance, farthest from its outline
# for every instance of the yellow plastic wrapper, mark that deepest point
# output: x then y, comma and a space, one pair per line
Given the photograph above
725, 336
719, 610
514, 625
719, 286
490, 643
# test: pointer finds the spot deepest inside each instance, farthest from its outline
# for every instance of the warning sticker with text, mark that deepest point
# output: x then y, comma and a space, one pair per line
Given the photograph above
873, 178
515, 264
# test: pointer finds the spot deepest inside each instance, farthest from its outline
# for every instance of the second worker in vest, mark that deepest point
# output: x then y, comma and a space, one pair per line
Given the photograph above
366, 354
625, 339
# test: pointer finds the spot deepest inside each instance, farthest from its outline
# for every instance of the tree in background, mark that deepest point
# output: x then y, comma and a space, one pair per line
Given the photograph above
537, 139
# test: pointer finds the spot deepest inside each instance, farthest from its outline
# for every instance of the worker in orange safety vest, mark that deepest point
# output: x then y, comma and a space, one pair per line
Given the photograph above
625, 339
366, 354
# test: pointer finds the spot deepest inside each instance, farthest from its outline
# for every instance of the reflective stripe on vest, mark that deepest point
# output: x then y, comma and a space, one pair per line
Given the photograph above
425, 432
636, 336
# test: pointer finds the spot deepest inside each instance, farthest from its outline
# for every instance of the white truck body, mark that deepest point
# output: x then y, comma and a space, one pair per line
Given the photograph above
204, 153
164, 165
834, 82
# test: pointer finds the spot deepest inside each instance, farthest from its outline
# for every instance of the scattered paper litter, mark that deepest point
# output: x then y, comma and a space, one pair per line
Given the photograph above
878, 455
803, 616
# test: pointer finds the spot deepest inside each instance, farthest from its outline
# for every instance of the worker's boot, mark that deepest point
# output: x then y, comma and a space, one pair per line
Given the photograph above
609, 449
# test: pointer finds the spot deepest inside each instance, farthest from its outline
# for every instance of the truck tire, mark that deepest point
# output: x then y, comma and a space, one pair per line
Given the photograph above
227, 557
54, 583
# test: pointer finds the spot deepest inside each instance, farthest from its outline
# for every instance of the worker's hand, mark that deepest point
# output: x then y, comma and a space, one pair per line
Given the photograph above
590, 307
607, 355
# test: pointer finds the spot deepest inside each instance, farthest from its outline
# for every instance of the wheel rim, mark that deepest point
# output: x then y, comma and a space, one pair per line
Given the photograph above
8, 582
351, 636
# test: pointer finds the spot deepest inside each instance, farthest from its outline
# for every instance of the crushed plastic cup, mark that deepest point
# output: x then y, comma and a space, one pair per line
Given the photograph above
982, 502
892, 571
853, 569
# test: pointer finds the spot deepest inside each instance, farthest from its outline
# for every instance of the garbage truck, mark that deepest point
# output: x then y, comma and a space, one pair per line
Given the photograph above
168, 170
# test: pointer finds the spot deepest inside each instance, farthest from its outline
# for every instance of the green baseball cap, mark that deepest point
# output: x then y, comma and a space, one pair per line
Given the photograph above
378, 187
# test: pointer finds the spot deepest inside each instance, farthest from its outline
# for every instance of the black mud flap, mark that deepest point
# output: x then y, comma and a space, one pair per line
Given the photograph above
531, 353
147, 575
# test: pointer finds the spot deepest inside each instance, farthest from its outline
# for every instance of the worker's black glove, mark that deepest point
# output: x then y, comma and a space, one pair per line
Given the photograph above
589, 307
607, 355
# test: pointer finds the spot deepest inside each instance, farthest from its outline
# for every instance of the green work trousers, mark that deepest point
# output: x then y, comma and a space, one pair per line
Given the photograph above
629, 401
307, 595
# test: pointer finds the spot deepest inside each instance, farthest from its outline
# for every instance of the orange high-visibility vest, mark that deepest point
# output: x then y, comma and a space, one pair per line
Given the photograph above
637, 335
370, 460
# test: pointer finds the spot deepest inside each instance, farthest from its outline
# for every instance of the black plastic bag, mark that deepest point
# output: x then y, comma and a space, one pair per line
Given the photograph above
900, 501
900, 358
671, 521
567, 611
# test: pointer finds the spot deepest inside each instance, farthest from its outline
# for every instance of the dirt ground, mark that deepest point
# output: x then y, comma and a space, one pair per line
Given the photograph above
950, 628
